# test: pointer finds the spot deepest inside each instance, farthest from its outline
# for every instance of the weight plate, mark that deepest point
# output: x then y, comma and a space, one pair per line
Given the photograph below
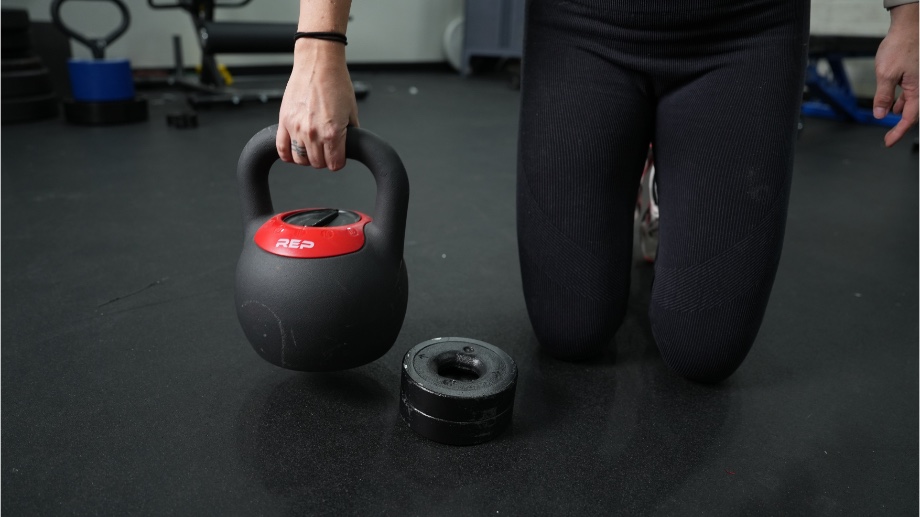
451, 381
14, 19
24, 109
455, 433
182, 119
25, 83
105, 113
14, 53
458, 379
19, 64
15, 40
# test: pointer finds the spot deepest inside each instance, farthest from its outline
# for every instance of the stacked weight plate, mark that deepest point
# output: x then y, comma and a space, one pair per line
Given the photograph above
457, 391
25, 84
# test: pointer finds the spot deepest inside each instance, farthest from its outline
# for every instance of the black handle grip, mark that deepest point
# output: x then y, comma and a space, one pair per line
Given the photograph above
392, 203
96, 45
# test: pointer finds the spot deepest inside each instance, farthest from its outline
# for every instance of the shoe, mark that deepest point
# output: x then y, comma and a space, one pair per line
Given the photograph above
648, 217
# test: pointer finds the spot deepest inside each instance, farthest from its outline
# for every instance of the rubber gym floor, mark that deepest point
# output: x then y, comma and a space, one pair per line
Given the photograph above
129, 388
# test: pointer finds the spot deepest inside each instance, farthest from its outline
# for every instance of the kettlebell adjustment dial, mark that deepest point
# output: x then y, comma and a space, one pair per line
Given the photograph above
322, 217
313, 233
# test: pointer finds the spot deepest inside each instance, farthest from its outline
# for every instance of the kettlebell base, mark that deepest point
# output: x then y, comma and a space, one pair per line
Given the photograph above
318, 330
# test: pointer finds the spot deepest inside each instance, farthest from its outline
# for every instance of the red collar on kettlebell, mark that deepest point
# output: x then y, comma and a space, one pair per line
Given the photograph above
288, 240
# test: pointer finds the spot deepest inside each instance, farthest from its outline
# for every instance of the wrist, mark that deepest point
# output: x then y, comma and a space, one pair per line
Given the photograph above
904, 15
318, 50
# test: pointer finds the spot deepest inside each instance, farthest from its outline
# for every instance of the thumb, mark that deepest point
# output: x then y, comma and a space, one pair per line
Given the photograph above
283, 143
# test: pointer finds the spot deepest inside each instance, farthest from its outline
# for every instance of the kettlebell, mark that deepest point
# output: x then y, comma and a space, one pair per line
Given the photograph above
322, 289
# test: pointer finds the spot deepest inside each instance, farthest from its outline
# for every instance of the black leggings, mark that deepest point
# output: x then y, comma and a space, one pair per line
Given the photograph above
715, 86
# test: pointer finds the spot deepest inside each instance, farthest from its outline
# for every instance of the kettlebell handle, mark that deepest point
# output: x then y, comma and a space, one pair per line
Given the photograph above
392, 203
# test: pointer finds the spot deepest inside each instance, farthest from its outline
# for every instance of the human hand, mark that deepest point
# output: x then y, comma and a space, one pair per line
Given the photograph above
317, 107
896, 64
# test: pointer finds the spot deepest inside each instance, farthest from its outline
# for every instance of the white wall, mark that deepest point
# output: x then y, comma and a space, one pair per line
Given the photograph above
849, 17
390, 31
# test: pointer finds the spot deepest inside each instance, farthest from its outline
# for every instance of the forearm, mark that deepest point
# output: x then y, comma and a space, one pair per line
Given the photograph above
319, 100
321, 16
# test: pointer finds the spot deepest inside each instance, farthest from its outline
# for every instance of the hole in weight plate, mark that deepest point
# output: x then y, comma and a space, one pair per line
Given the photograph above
460, 368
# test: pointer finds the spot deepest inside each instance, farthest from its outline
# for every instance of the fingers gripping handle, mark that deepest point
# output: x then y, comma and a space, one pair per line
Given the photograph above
392, 203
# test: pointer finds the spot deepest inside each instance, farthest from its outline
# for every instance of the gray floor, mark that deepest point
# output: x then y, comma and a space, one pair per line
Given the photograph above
128, 387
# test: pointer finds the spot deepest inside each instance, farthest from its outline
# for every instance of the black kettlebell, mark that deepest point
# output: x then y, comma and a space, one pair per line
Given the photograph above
322, 289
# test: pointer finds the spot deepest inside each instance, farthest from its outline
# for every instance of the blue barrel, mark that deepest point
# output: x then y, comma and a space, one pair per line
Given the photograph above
101, 80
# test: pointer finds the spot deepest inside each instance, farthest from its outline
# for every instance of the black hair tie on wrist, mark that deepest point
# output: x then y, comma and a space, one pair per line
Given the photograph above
328, 36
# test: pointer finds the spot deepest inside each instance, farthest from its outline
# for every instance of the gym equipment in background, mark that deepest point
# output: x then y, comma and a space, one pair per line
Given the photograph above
102, 89
457, 391
322, 289
25, 83
222, 37
828, 90
453, 43
492, 28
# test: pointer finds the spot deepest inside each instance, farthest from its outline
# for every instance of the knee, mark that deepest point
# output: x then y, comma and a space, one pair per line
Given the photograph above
573, 328
706, 346
573, 340
576, 295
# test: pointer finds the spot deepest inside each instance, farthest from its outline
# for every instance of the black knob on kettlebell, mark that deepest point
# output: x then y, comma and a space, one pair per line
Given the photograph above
322, 289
